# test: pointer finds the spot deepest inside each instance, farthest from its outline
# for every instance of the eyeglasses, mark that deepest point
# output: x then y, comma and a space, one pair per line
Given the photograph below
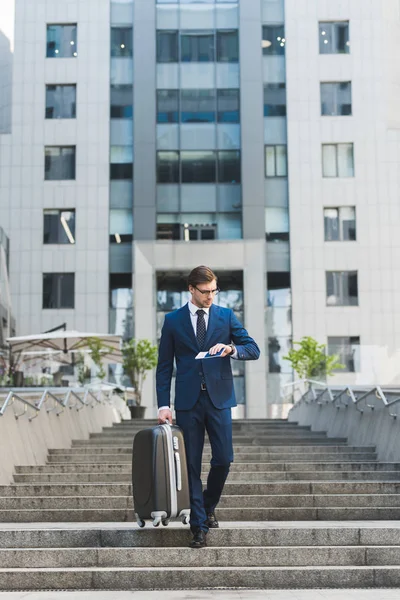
208, 292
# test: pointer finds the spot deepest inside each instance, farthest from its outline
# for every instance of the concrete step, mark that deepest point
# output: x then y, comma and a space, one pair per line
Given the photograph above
273, 450
231, 488
121, 515
238, 439
256, 556
251, 457
229, 535
237, 467
176, 578
284, 441
234, 476
252, 501
294, 432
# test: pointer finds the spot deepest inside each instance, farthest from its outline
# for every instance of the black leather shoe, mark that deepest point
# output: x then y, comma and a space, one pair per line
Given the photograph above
212, 522
199, 539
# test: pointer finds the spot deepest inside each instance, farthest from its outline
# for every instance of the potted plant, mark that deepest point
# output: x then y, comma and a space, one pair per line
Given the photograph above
311, 361
139, 357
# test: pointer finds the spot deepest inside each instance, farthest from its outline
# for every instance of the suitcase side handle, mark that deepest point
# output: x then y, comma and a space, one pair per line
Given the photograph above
178, 471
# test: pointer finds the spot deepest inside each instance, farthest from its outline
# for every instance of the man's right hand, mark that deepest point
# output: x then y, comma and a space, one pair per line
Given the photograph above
164, 415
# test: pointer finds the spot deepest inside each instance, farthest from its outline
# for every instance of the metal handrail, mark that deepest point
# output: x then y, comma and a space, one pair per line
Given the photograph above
355, 394
91, 397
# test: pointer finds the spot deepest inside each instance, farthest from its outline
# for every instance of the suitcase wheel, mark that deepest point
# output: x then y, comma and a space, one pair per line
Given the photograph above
139, 521
165, 522
186, 520
156, 521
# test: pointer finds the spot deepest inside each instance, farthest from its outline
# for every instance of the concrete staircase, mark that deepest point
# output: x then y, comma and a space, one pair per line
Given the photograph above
299, 511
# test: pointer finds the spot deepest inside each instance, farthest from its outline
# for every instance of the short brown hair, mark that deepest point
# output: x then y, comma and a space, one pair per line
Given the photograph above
201, 274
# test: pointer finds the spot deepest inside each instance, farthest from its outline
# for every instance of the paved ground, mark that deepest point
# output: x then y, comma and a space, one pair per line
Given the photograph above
212, 595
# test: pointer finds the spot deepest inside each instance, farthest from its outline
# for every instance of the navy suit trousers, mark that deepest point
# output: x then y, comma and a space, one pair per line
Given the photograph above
218, 424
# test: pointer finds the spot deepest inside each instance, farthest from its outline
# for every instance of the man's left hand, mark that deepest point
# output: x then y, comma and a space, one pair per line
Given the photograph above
218, 347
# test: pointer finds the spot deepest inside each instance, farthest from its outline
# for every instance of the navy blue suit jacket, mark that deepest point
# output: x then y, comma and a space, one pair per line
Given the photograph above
178, 341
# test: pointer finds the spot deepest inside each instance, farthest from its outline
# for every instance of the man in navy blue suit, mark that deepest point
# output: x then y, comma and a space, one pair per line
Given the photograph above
204, 393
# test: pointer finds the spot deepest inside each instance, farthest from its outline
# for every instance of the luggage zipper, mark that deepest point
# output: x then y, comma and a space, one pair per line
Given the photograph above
172, 473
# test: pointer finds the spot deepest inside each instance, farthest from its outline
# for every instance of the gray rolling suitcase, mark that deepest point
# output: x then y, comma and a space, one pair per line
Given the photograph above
159, 476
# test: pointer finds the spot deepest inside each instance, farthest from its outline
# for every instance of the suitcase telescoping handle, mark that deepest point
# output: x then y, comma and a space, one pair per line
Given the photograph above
178, 467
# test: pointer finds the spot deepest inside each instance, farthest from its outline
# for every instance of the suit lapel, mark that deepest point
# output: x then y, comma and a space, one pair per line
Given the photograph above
188, 327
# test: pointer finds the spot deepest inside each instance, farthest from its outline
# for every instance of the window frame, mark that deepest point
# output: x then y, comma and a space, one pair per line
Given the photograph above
336, 146
335, 100
127, 50
275, 110
333, 25
75, 40
46, 161
341, 283
340, 221
346, 347
275, 147
62, 86
275, 49
121, 107
72, 232
59, 304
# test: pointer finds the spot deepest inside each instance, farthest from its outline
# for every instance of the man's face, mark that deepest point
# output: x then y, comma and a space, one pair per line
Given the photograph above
207, 298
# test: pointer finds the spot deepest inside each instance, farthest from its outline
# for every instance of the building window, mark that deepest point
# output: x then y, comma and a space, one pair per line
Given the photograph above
278, 347
198, 166
279, 289
58, 290
121, 171
334, 37
62, 41
228, 46
275, 100
168, 167
347, 349
275, 161
59, 227
276, 224
197, 47
59, 163
121, 98
167, 106
167, 46
273, 42
121, 226
202, 226
121, 41
198, 106
337, 160
60, 101
340, 224
229, 167
198, 232
336, 99
121, 162
341, 288
228, 106
121, 294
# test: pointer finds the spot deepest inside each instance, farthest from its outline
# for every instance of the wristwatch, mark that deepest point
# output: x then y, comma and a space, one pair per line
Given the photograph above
233, 348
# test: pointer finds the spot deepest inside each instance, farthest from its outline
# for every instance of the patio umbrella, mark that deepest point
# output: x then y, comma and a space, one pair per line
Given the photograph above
64, 341
62, 346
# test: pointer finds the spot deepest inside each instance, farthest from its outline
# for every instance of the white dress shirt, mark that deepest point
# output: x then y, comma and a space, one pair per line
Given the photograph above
193, 317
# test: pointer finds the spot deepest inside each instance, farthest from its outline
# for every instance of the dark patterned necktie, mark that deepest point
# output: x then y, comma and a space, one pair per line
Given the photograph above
201, 328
